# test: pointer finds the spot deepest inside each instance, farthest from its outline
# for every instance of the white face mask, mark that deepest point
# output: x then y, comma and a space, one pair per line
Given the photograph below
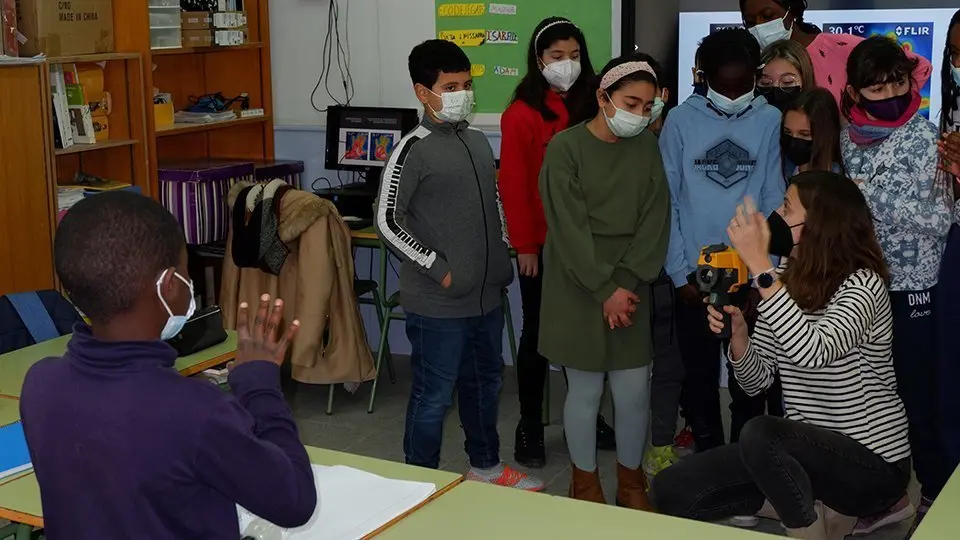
562, 74
732, 107
771, 32
457, 106
175, 322
625, 124
956, 75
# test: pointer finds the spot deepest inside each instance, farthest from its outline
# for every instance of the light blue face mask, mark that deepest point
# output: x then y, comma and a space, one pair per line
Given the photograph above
729, 106
657, 109
175, 323
956, 75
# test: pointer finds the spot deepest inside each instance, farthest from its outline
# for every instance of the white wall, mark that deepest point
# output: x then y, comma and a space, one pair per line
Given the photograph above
381, 34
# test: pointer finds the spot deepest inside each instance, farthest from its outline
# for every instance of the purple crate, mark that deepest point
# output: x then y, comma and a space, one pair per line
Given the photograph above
288, 171
195, 192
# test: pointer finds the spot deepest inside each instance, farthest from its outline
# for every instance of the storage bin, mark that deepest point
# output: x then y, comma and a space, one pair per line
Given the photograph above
164, 18
195, 192
165, 38
288, 171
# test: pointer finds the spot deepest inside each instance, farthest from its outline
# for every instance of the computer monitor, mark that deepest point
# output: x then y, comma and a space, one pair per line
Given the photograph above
361, 138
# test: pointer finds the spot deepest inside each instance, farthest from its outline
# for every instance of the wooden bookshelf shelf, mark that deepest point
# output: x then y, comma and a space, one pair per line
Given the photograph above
200, 50
102, 145
183, 129
81, 58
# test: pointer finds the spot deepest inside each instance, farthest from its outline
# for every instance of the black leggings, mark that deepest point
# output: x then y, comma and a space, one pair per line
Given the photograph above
789, 463
531, 365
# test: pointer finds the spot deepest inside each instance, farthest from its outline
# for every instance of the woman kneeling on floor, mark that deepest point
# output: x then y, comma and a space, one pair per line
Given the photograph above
825, 327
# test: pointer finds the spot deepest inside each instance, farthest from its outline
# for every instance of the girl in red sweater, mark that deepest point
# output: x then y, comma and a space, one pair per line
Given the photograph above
553, 95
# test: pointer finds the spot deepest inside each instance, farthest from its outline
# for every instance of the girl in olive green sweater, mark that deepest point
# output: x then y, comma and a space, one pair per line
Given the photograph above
607, 207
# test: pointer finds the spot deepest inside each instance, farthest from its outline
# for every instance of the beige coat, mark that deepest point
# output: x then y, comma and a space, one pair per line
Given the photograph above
316, 285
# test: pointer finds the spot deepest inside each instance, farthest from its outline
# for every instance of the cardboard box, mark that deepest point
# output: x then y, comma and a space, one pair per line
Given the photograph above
196, 20
226, 38
230, 19
198, 38
65, 27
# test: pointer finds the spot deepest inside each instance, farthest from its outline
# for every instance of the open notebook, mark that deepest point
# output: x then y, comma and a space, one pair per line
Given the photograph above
14, 457
352, 504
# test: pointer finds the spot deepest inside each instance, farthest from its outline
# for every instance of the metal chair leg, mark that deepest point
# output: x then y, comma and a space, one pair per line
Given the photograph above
384, 344
545, 408
330, 400
381, 351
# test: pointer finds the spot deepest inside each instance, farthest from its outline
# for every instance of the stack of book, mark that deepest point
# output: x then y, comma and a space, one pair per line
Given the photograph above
73, 121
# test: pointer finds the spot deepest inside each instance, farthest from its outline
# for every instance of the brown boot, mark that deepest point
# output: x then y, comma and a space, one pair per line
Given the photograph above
585, 486
632, 489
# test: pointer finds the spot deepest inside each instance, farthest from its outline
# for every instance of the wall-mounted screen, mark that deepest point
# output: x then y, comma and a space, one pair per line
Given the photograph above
922, 30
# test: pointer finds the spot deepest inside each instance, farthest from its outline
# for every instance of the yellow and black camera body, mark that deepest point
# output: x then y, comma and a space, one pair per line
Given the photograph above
721, 273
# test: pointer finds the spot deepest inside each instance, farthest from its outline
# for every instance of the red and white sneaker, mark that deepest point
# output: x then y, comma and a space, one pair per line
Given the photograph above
684, 443
504, 475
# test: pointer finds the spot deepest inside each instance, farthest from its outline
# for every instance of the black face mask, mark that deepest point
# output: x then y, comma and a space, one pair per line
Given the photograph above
798, 151
700, 89
781, 235
779, 96
890, 109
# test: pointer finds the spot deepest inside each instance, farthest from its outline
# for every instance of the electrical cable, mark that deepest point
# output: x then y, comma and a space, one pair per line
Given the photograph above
334, 50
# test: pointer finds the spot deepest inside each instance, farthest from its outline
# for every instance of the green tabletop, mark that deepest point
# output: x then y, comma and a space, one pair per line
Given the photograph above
20, 498
9, 411
14, 365
511, 513
942, 517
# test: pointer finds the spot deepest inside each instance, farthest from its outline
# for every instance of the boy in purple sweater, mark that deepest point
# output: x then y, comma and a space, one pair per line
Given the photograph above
124, 446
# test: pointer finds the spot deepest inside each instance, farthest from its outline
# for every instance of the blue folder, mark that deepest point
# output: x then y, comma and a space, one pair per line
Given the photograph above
14, 457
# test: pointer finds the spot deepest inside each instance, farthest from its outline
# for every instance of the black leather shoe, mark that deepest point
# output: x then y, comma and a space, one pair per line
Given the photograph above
528, 448
606, 437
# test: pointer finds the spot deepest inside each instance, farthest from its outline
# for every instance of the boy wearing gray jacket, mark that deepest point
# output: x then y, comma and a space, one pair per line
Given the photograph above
439, 211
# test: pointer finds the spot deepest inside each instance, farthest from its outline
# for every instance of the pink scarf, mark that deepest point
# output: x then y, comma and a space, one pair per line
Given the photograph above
865, 131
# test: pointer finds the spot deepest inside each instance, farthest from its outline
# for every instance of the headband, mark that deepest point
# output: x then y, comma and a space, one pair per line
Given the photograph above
536, 39
618, 72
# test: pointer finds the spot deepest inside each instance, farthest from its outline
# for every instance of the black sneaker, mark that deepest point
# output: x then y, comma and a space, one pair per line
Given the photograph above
529, 451
606, 437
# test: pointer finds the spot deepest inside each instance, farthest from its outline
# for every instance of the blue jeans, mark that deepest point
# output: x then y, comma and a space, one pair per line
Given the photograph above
447, 355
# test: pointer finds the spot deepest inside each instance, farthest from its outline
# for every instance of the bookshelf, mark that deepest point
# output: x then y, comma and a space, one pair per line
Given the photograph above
31, 168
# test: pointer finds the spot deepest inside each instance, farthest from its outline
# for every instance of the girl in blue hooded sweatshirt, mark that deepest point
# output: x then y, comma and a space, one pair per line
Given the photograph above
890, 150
716, 149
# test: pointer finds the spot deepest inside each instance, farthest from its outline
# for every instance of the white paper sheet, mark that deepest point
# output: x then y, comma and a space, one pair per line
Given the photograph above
352, 504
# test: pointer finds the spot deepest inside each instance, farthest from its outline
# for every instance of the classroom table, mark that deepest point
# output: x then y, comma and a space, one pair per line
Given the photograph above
9, 411
483, 511
445, 481
20, 498
942, 517
14, 365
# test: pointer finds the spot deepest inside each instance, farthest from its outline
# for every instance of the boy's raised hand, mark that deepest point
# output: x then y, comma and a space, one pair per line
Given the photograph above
259, 340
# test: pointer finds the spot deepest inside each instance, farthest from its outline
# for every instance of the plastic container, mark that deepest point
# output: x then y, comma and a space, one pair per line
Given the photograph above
164, 18
165, 38
165, 3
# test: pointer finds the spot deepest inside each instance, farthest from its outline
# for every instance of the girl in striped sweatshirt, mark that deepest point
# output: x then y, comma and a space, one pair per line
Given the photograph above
825, 327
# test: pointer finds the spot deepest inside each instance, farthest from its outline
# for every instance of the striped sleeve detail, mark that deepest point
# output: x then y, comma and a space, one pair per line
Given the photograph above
835, 365
503, 220
842, 326
388, 224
